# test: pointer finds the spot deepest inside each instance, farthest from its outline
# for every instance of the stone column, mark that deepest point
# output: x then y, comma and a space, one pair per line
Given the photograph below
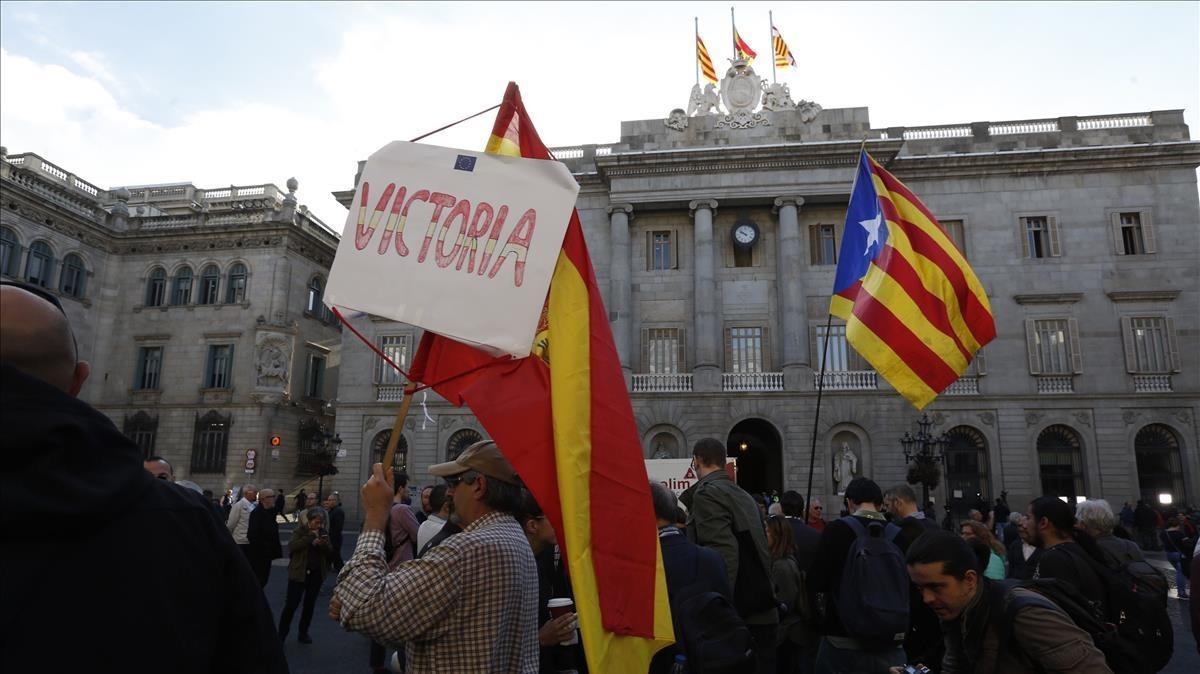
620, 295
793, 330
281, 281
707, 368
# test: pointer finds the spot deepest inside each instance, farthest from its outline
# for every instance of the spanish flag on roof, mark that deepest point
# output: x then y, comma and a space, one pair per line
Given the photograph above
562, 417
740, 47
913, 306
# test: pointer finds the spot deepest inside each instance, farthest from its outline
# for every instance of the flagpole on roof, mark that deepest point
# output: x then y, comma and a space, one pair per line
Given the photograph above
733, 32
695, 48
771, 19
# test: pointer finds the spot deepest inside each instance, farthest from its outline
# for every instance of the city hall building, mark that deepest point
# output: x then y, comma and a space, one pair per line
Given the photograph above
199, 310
715, 233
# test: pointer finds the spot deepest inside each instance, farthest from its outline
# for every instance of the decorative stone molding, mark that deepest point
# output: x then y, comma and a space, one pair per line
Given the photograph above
151, 338
710, 204
1032, 418
1142, 295
780, 202
987, 418
625, 208
1130, 416
1183, 417
272, 361
1048, 298
1083, 418
677, 120
743, 120
937, 418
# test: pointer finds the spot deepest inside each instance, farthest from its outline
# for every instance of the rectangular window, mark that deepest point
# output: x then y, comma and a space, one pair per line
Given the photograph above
208, 289
745, 349
837, 354
823, 244
664, 351
1131, 234
314, 377
1036, 237
954, 229
661, 250
743, 257
1053, 351
396, 348
1150, 344
149, 365
211, 443
144, 439
219, 367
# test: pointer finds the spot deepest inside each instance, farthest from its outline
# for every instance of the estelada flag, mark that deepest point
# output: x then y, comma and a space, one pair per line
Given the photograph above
562, 417
913, 307
743, 50
706, 64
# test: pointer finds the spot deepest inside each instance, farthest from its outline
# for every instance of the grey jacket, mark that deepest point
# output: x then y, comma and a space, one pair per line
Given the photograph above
718, 510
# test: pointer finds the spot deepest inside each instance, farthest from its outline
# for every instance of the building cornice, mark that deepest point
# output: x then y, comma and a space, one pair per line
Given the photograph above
1044, 161
740, 159
1142, 295
1048, 298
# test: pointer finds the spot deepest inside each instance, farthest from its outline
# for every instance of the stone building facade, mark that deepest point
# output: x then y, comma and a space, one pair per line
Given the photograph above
199, 310
1085, 232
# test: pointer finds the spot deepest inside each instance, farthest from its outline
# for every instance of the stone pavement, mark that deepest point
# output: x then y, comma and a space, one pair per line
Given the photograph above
336, 651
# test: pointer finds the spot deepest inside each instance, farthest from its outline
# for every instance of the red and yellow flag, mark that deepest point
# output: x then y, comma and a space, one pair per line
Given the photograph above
562, 416
742, 49
913, 307
783, 55
706, 64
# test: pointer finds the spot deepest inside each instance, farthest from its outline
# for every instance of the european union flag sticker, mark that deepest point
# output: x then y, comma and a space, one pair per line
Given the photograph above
464, 163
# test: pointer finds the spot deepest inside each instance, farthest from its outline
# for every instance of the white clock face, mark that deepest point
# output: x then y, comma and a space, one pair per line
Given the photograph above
744, 234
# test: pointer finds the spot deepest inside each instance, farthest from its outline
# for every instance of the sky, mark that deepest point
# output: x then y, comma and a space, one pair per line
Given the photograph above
222, 94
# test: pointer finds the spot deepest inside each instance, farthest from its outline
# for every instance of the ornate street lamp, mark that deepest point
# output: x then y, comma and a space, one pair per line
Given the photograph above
925, 453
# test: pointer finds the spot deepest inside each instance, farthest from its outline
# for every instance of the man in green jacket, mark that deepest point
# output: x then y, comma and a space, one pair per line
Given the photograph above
723, 517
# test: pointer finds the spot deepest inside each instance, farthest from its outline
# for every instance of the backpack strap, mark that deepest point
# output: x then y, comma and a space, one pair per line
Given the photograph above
1006, 605
857, 527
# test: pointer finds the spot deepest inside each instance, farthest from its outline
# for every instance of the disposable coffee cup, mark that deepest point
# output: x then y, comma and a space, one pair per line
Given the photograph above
560, 606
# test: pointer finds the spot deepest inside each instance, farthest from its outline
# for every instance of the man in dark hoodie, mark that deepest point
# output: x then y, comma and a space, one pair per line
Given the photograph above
76, 507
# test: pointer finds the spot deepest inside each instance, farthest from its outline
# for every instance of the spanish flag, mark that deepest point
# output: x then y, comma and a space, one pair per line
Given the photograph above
742, 49
563, 419
783, 55
706, 64
913, 307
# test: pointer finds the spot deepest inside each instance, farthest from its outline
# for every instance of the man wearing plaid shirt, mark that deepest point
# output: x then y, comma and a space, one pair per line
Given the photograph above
468, 605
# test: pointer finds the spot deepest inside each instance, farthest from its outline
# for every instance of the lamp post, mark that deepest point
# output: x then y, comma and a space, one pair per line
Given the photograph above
325, 454
925, 452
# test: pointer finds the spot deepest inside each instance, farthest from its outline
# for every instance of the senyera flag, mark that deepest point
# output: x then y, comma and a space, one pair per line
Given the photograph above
563, 418
706, 64
913, 307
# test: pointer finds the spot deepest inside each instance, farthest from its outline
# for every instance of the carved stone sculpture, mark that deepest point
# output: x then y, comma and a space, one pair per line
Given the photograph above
272, 361
677, 120
777, 97
845, 463
740, 92
808, 110
703, 102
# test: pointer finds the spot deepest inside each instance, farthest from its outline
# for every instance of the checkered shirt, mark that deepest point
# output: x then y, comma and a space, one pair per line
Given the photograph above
469, 605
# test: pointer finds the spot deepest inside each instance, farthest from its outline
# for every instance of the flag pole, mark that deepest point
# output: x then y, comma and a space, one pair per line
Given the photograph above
812, 454
696, 48
771, 19
733, 32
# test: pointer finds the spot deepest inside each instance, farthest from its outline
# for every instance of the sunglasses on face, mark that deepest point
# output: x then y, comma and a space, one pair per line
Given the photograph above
455, 480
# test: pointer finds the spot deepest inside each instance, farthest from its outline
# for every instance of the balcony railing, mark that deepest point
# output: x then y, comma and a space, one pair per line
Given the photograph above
965, 386
1054, 385
662, 383
752, 381
847, 380
389, 394
1152, 383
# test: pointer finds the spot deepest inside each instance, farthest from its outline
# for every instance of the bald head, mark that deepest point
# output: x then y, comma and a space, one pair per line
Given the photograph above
35, 337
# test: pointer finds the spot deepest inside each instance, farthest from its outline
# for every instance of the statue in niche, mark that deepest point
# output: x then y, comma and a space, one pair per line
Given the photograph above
272, 365
661, 452
845, 463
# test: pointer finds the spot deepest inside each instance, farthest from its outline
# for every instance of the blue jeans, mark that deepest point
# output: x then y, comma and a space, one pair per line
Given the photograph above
1181, 582
834, 660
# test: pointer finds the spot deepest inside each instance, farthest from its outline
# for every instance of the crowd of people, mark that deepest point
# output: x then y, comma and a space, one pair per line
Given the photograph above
474, 580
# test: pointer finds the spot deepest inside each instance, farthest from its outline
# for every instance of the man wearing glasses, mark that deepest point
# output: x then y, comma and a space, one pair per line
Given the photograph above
469, 604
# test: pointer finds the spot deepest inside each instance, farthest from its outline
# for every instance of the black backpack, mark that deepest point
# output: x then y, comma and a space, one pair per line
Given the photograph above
711, 633
873, 598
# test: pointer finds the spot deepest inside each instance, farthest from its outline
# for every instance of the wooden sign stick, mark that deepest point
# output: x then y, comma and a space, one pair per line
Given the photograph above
389, 456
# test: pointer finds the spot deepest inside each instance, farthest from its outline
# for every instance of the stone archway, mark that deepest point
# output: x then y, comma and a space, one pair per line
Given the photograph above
759, 452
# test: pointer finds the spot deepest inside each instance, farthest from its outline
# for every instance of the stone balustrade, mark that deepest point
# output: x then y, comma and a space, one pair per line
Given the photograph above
662, 383
1152, 383
848, 380
965, 386
1055, 384
752, 381
388, 393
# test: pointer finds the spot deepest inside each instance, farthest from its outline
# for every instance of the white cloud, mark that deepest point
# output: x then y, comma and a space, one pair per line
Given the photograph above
94, 63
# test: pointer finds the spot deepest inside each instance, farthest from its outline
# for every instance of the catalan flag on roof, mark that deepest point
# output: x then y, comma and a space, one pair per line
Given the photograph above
742, 49
706, 64
783, 55
913, 307
562, 417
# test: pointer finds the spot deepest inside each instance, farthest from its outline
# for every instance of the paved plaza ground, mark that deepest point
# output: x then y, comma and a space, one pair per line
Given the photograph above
334, 650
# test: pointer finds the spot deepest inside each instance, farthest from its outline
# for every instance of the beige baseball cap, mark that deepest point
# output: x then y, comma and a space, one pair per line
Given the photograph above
482, 457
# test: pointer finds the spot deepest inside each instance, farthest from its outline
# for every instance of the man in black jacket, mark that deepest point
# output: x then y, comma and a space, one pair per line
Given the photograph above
924, 641
337, 522
263, 534
76, 507
806, 538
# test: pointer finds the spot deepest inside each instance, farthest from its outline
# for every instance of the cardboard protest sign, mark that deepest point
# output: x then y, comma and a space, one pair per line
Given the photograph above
460, 243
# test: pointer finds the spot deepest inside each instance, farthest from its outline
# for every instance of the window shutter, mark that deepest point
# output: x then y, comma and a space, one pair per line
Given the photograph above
1148, 232
683, 352
140, 371
765, 360
1172, 344
837, 241
1073, 342
980, 363
649, 251
1118, 241
644, 365
1052, 227
1035, 362
812, 244
1129, 344
675, 248
728, 349
1023, 235
208, 368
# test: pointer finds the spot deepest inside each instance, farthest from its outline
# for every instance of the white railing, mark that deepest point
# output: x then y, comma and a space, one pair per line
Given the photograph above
752, 381
1152, 383
1056, 384
81, 185
848, 380
568, 153
251, 191
171, 222
16, 161
928, 132
166, 192
53, 170
1114, 122
1035, 126
662, 383
965, 386
388, 393
217, 194
604, 151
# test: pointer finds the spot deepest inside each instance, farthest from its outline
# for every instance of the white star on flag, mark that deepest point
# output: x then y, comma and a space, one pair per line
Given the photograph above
872, 226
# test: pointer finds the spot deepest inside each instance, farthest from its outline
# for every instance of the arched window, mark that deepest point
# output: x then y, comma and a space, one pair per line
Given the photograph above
1060, 459
967, 468
210, 283
141, 428
156, 287
316, 291
10, 252
73, 276
211, 443
181, 287
1159, 465
39, 266
460, 441
235, 287
379, 446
